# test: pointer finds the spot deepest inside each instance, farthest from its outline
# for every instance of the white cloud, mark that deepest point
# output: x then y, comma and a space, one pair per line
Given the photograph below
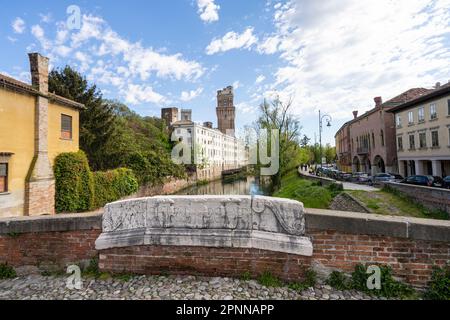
39, 34
237, 84
19, 25
232, 40
11, 39
136, 94
260, 79
46, 18
339, 55
208, 10
190, 95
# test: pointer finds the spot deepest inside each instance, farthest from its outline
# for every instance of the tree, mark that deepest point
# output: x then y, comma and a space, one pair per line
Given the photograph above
97, 121
276, 115
304, 142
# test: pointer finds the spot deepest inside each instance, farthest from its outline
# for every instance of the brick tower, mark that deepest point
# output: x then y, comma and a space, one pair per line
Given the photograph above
226, 112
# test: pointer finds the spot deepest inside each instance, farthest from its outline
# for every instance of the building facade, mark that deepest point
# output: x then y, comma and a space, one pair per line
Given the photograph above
367, 143
35, 126
226, 111
423, 134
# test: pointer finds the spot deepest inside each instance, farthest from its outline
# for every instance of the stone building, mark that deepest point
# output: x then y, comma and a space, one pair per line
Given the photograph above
367, 143
35, 126
423, 133
226, 111
169, 115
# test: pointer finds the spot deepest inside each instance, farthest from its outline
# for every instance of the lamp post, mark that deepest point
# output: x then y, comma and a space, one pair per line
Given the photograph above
321, 118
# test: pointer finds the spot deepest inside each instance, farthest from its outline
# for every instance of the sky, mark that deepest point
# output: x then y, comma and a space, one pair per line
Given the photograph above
328, 55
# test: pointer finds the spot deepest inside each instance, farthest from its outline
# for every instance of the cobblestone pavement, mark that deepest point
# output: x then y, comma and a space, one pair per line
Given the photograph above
36, 287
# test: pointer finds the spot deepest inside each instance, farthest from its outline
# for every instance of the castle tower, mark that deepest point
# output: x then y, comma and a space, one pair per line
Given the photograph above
226, 112
169, 115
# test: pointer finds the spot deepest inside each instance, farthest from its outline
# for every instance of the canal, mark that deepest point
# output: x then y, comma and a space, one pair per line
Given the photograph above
245, 186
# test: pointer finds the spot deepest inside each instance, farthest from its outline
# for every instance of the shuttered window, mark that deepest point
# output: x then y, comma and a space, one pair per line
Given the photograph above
3, 177
66, 127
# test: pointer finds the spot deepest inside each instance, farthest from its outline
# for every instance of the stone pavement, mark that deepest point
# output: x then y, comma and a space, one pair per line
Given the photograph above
37, 287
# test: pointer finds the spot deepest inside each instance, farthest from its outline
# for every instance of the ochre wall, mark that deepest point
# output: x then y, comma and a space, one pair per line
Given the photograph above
17, 127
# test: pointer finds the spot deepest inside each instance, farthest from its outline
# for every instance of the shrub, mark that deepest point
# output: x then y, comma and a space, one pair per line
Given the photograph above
112, 185
338, 280
79, 190
6, 271
439, 287
74, 183
309, 281
268, 280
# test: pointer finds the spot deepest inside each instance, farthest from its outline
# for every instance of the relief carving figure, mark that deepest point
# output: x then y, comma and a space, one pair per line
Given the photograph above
241, 221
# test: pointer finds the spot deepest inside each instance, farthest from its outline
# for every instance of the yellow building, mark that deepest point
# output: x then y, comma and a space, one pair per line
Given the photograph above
35, 126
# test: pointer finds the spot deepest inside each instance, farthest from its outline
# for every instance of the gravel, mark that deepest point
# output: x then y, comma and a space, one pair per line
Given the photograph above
37, 287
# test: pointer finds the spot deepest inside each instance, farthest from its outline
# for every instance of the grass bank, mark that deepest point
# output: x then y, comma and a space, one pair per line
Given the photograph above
311, 194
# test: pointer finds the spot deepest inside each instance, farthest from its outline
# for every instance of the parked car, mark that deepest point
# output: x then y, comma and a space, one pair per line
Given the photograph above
397, 177
427, 181
446, 182
381, 177
344, 176
360, 177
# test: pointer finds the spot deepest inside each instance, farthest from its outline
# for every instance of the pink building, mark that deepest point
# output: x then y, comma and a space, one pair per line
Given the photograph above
372, 137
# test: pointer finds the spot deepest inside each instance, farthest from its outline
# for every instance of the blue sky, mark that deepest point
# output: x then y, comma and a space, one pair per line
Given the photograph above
329, 55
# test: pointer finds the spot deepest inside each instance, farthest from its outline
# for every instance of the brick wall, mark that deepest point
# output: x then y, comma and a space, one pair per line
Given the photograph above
340, 240
431, 198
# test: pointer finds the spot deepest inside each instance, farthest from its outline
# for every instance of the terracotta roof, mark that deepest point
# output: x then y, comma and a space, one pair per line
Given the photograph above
431, 94
406, 96
14, 84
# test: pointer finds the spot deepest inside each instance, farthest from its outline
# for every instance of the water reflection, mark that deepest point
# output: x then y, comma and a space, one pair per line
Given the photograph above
246, 186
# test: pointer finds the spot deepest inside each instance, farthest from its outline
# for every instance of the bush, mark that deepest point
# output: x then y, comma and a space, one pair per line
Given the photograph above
439, 287
80, 190
338, 280
309, 282
268, 280
112, 185
7, 272
74, 183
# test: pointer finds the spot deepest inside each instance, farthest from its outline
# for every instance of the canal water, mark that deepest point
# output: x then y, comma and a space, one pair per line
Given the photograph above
245, 186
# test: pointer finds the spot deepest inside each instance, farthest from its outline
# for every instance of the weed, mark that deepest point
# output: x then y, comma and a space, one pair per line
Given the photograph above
7, 272
268, 280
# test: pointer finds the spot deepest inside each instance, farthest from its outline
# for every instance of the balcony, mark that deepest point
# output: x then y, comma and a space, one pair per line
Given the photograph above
363, 150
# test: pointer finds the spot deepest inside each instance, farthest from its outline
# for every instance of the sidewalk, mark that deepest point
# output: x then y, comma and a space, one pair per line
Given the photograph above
349, 185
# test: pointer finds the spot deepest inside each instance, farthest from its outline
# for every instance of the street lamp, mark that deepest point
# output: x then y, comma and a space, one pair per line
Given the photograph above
321, 118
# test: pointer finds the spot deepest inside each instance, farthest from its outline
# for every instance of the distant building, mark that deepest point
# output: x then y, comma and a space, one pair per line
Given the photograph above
226, 111
367, 143
217, 149
35, 127
169, 115
423, 133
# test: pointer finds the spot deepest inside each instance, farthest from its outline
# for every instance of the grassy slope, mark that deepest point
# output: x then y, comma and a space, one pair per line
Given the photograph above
292, 187
385, 203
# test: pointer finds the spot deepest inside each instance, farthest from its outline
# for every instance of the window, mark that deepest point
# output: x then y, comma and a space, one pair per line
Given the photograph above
435, 138
433, 112
400, 143
410, 117
412, 142
382, 138
66, 127
373, 139
3, 177
448, 107
423, 140
398, 121
421, 114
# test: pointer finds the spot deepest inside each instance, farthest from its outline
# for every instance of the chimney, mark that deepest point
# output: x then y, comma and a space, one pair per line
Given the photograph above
378, 101
355, 114
40, 182
39, 72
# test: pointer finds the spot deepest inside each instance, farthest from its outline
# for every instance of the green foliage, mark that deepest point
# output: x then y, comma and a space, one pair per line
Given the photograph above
339, 281
390, 288
268, 280
335, 188
97, 121
7, 272
439, 287
112, 185
309, 282
92, 270
309, 193
74, 183
80, 190
246, 276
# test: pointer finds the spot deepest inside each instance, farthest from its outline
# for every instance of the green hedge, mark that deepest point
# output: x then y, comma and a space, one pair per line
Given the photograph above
113, 185
74, 183
78, 189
